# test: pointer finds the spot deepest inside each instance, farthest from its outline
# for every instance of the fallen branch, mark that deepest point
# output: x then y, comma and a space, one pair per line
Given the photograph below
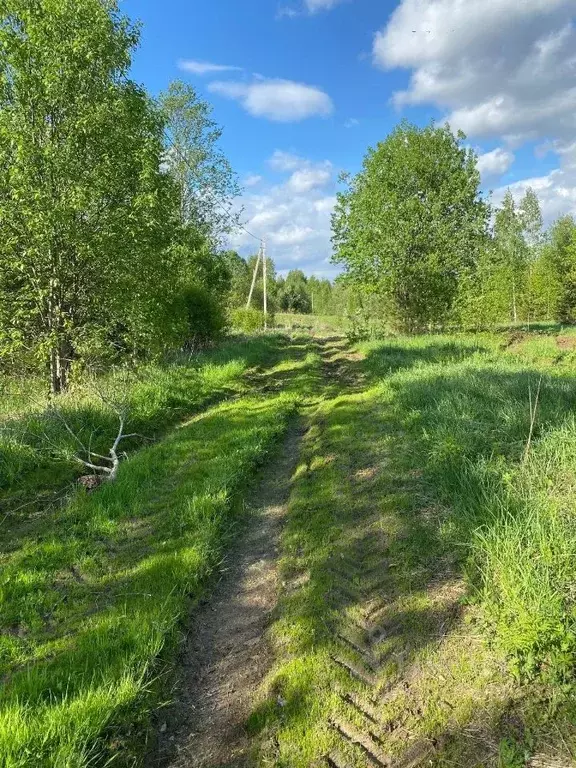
109, 469
106, 467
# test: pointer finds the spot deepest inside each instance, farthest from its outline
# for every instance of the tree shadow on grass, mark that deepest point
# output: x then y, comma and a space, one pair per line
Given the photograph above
95, 595
384, 507
386, 359
37, 470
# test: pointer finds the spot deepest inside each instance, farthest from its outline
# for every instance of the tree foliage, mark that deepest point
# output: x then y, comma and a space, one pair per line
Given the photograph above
112, 207
86, 215
206, 181
293, 293
411, 223
559, 266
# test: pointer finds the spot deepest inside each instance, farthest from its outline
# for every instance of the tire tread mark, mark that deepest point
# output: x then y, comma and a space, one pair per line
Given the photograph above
367, 745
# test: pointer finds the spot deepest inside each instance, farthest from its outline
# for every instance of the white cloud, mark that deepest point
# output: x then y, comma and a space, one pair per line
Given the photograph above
497, 67
252, 180
294, 215
352, 122
495, 163
556, 190
283, 101
307, 179
285, 161
314, 6
205, 67
310, 6
287, 13
306, 175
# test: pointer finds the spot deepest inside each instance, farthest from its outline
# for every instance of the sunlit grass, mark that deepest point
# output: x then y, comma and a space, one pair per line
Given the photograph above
88, 606
318, 324
431, 457
92, 593
37, 452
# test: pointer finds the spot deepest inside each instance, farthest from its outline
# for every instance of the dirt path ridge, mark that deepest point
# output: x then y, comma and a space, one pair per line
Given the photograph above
226, 655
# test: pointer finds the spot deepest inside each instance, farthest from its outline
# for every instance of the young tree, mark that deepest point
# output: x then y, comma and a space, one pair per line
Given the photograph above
410, 223
294, 295
320, 292
239, 279
86, 215
530, 215
511, 254
559, 257
207, 183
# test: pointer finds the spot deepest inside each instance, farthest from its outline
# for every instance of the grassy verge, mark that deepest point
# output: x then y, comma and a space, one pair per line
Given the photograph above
493, 435
36, 450
88, 607
417, 476
91, 596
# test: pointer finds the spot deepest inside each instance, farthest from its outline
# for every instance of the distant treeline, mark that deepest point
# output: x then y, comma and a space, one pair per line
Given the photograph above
295, 292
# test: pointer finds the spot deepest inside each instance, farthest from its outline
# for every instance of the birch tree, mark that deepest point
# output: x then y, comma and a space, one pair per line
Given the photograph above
511, 254
410, 223
86, 215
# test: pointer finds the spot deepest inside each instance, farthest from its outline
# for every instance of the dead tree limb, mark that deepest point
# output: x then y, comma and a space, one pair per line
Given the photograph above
107, 469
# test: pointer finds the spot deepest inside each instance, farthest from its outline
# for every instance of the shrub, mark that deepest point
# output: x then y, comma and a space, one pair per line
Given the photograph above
248, 320
205, 317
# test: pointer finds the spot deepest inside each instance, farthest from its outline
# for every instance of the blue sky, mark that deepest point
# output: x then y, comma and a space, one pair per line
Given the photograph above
303, 87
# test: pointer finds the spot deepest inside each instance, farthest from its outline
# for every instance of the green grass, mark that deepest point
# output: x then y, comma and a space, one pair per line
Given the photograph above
466, 426
427, 562
37, 466
91, 595
418, 512
322, 325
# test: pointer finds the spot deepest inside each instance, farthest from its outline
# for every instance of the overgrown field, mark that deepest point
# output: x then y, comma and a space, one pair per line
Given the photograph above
428, 607
92, 591
429, 613
37, 450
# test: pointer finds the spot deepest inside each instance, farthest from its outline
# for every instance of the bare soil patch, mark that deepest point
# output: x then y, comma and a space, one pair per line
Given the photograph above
566, 343
226, 654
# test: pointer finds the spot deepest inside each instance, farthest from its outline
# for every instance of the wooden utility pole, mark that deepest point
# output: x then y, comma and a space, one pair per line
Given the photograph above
265, 273
254, 276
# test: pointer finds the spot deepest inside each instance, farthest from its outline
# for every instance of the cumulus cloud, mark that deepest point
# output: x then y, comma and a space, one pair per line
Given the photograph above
306, 179
556, 190
252, 180
293, 215
283, 101
285, 161
306, 175
495, 163
496, 67
205, 67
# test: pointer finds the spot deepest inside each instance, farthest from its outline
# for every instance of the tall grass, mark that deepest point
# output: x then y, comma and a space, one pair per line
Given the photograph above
88, 605
502, 473
37, 451
92, 591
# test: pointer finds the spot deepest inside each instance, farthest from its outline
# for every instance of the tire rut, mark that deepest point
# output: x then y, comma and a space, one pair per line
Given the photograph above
226, 654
